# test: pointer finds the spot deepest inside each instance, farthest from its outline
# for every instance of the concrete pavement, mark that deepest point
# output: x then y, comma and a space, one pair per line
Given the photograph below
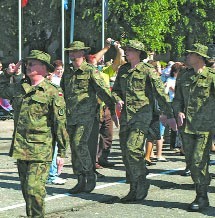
169, 194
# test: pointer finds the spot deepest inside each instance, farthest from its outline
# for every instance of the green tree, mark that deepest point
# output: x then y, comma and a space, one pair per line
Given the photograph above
164, 25
9, 33
41, 28
195, 23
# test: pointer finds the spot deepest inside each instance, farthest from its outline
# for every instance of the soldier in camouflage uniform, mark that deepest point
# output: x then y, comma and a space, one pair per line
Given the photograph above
82, 83
39, 121
194, 105
133, 88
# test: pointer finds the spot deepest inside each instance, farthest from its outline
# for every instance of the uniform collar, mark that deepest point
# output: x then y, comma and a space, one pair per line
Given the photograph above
82, 67
203, 74
138, 67
28, 88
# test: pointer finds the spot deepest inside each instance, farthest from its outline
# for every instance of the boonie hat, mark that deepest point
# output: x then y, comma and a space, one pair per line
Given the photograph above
136, 45
199, 49
41, 56
211, 51
77, 45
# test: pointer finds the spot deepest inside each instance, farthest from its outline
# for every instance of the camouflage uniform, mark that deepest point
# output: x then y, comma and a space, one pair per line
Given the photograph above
135, 87
195, 97
81, 88
39, 117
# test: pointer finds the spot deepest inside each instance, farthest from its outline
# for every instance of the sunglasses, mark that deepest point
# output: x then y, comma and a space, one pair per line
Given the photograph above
31, 64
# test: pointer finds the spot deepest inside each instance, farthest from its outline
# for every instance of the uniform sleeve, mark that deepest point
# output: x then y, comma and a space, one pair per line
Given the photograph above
62, 82
60, 123
160, 96
103, 91
178, 102
116, 90
7, 90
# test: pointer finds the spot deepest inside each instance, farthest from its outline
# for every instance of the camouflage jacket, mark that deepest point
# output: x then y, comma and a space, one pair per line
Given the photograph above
195, 96
81, 88
39, 119
138, 88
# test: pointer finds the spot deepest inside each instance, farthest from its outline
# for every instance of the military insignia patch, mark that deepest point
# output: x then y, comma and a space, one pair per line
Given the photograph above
61, 111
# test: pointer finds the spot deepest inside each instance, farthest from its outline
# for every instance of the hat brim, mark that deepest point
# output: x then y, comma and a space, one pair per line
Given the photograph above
77, 49
203, 55
143, 53
50, 66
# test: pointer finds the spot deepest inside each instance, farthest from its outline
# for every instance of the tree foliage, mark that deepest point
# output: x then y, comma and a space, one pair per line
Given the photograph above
41, 27
164, 25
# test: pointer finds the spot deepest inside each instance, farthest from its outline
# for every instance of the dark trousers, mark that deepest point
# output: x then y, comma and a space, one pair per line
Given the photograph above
106, 135
173, 135
93, 142
81, 158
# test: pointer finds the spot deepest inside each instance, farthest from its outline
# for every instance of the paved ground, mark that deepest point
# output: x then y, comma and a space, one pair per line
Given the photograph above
169, 195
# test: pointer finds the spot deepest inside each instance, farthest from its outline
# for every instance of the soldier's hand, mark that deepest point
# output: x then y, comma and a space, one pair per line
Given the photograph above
115, 120
60, 163
14, 68
172, 124
119, 105
181, 117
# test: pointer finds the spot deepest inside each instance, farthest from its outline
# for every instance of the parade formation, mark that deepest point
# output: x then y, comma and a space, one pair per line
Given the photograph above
86, 124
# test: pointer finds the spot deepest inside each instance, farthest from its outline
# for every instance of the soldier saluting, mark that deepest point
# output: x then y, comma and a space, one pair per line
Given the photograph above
39, 121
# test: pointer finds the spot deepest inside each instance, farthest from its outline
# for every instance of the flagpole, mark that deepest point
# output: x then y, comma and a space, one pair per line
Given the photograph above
72, 21
63, 31
20, 29
103, 22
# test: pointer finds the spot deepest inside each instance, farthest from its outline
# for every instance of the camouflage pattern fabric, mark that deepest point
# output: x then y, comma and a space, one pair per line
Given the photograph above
195, 96
33, 176
39, 121
39, 117
197, 156
81, 158
131, 144
199, 49
82, 87
138, 88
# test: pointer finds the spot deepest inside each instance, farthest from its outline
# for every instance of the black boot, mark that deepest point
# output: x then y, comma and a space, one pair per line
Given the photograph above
131, 194
142, 188
80, 186
128, 178
201, 200
90, 182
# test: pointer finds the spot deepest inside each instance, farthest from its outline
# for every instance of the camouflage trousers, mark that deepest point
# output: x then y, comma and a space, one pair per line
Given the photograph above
131, 143
197, 156
33, 176
81, 159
